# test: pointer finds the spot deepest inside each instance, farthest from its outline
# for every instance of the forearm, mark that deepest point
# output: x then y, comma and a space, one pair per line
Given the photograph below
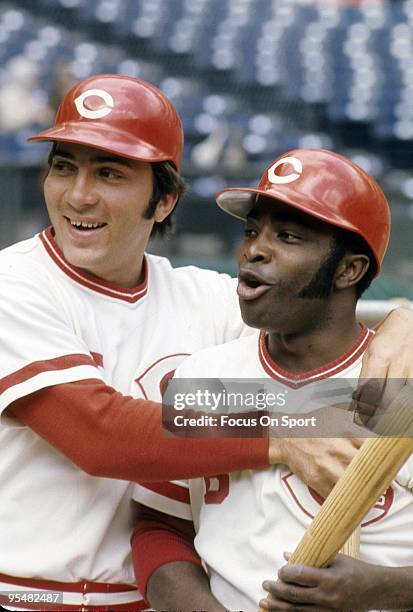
394, 588
388, 358
181, 586
111, 435
168, 571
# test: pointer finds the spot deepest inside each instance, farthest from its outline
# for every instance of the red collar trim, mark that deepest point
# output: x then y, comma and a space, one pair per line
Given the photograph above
298, 380
88, 280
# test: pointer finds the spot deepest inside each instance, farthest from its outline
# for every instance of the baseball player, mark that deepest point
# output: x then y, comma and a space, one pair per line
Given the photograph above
92, 329
316, 232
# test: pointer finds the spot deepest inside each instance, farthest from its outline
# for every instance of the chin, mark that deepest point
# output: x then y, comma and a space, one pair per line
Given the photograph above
271, 320
251, 317
80, 259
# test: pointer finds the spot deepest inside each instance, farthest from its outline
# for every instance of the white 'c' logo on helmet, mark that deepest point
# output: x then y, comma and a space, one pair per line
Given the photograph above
100, 112
289, 178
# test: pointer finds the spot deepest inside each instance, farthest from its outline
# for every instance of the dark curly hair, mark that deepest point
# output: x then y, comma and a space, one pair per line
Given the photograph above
166, 181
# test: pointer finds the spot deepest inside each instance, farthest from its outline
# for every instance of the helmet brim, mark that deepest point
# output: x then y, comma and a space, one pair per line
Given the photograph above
239, 202
98, 136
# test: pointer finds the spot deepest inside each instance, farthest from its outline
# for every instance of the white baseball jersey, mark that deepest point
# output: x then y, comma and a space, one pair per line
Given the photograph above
246, 520
60, 324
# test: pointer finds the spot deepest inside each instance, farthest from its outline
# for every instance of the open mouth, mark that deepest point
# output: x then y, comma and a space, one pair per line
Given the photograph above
251, 283
85, 226
250, 287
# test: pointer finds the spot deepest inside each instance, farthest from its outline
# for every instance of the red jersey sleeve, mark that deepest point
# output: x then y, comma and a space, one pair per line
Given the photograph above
111, 435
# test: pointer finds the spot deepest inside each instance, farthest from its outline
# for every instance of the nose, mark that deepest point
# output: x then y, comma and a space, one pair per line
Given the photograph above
81, 191
257, 250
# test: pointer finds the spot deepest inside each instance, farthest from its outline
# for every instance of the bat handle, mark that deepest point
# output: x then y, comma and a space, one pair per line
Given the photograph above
351, 548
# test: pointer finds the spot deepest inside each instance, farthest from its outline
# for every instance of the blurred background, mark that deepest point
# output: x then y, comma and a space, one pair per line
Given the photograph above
250, 79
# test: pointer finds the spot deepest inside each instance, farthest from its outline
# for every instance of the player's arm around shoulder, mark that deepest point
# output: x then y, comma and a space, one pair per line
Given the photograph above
389, 357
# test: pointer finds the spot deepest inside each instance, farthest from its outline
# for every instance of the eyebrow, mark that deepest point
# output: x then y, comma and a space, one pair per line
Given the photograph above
100, 159
297, 217
293, 216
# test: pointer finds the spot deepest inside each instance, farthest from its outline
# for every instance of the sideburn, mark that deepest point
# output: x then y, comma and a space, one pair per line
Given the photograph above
321, 284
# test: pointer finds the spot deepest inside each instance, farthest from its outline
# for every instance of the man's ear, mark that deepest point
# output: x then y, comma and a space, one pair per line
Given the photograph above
165, 207
350, 270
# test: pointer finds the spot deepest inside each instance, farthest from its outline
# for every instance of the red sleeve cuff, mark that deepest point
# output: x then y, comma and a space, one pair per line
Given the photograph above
158, 541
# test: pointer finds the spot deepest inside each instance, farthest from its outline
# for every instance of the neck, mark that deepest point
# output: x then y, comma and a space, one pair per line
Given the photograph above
316, 346
127, 277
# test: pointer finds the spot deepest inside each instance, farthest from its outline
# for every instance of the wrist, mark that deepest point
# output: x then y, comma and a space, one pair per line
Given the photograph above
390, 587
277, 451
400, 587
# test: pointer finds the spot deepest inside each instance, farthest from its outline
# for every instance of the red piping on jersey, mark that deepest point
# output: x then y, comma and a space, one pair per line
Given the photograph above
320, 500
97, 358
295, 498
83, 586
168, 489
88, 280
138, 380
333, 367
47, 365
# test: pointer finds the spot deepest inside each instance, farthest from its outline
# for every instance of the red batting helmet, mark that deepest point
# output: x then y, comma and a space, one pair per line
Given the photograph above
121, 115
324, 185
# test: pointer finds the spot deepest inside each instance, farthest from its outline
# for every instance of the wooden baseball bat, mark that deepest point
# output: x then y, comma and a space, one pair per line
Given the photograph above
351, 547
366, 478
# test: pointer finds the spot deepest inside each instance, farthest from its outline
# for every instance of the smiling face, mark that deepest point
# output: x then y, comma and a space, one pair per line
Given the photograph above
96, 203
280, 286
